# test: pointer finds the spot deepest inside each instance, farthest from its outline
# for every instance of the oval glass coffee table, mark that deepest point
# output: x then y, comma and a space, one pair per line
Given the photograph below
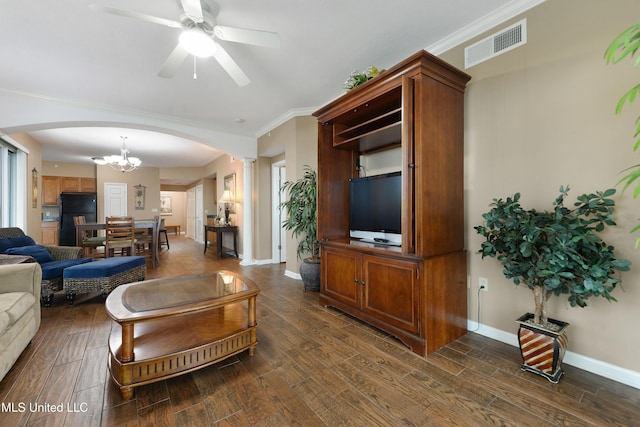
170, 327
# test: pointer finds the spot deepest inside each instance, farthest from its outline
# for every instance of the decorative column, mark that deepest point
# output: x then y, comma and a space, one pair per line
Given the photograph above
247, 220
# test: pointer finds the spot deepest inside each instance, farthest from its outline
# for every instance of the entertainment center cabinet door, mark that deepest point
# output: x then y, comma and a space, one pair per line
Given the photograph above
391, 291
339, 275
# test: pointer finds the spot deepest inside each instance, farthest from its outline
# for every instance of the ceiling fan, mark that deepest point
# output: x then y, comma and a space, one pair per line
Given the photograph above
198, 38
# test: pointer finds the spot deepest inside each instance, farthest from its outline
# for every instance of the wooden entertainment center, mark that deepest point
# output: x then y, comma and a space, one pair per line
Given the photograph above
417, 291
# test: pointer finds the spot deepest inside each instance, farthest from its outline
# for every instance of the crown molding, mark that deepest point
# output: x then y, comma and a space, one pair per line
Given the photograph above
479, 26
295, 112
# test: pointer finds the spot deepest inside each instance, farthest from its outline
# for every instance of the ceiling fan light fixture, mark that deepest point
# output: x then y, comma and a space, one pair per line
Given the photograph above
197, 43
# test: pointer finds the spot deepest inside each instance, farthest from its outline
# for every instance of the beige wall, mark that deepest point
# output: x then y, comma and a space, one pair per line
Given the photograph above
262, 227
223, 166
34, 160
299, 139
68, 169
178, 207
542, 116
182, 174
146, 176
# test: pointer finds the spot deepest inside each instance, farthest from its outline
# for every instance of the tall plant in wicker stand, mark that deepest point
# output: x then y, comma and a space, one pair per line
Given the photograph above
302, 220
553, 253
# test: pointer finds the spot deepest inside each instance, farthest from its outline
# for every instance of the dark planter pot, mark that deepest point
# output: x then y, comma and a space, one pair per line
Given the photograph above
310, 273
542, 349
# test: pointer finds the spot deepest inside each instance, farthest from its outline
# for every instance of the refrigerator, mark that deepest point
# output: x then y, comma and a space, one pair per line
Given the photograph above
75, 204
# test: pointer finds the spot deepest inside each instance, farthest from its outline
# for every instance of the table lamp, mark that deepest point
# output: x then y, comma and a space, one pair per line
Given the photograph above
227, 199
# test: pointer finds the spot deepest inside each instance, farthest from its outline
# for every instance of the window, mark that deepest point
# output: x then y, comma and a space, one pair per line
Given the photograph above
13, 194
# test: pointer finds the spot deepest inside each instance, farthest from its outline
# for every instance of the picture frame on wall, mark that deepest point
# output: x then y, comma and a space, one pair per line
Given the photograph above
166, 205
34, 188
140, 195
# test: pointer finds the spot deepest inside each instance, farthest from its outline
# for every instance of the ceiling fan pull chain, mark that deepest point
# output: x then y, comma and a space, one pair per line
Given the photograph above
195, 76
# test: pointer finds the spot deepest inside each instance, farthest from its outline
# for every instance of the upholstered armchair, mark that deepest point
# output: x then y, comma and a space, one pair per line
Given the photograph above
52, 259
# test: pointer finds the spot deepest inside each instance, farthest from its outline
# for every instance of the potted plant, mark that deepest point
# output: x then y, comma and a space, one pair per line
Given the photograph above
356, 78
553, 253
302, 220
623, 46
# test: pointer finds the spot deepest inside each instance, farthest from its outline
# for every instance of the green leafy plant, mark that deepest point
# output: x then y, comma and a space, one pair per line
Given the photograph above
555, 252
356, 78
626, 45
302, 215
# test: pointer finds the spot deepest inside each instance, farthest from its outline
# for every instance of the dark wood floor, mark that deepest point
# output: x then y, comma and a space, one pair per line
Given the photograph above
313, 367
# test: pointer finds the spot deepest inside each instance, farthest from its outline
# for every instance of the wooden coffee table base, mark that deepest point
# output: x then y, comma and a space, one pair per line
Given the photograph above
175, 345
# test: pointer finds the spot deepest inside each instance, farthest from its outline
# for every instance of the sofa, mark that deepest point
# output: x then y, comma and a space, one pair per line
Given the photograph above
52, 259
19, 310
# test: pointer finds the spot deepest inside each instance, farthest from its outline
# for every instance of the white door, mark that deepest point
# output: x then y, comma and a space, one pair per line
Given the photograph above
115, 199
198, 214
191, 209
278, 233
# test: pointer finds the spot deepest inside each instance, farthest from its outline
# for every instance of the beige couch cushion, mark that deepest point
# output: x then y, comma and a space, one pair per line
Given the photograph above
16, 304
4, 322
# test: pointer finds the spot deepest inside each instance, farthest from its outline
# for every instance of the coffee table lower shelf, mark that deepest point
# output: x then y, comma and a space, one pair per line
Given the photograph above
168, 347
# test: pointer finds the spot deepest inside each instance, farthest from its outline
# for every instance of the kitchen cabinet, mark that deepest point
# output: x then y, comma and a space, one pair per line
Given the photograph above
50, 232
69, 183
88, 185
52, 186
76, 184
50, 190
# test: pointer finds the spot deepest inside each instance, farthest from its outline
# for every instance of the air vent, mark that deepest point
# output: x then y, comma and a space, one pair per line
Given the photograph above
496, 44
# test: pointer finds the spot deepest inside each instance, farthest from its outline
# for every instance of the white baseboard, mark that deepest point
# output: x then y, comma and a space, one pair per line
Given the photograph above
607, 370
263, 261
292, 275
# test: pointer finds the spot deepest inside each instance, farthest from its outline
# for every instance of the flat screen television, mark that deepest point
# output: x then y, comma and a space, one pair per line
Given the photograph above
375, 208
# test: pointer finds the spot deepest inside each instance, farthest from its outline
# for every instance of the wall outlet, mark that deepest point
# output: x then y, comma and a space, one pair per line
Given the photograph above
483, 284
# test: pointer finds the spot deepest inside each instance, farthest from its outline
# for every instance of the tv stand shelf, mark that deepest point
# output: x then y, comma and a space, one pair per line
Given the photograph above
371, 125
416, 291
374, 133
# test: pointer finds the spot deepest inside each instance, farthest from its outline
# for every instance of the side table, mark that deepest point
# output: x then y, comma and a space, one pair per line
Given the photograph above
220, 230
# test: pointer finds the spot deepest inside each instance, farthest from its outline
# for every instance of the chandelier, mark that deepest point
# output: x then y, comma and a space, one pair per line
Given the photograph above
122, 162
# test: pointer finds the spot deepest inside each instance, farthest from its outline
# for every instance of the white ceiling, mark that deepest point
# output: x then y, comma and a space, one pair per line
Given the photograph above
65, 51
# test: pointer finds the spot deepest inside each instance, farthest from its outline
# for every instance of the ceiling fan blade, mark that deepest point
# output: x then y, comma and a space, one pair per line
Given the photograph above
193, 9
136, 15
231, 67
243, 35
173, 62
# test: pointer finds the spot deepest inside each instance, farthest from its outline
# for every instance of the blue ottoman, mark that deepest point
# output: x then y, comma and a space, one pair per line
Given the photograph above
102, 276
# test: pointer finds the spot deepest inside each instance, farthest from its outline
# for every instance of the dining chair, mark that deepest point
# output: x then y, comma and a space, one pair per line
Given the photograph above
162, 231
145, 242
90, 243
119, 234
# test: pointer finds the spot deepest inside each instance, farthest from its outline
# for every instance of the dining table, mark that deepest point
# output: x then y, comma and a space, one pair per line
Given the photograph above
149, 224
